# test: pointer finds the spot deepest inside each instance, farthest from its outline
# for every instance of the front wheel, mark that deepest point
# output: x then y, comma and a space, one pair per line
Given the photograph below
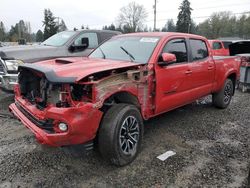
120, 134
223, 98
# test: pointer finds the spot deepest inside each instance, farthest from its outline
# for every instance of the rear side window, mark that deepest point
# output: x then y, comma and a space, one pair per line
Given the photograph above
198, 49
217, 45
177, 47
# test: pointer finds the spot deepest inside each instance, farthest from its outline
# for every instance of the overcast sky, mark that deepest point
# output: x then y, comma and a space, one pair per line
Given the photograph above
96, 13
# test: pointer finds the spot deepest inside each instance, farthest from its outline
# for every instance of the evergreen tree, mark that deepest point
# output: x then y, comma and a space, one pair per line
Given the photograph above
39, 36
2, 32
22, 30
50, 26
225, 24
21, 27
169, 26
127, 29
184, 21
105, 27
145, 29
13, 34
33, 37
111, 27
62, 26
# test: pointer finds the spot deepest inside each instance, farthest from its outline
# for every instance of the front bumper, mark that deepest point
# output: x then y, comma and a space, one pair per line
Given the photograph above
83, 123
7, 81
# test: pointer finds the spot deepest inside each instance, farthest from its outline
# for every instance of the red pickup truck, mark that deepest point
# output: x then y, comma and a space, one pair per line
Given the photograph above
218, 48
126, 80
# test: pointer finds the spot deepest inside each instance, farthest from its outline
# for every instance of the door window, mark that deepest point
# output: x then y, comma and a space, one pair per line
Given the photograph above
177, 47
217, 45
198, 49
93, 40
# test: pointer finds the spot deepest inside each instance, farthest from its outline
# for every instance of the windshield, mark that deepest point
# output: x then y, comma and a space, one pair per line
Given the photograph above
59, 39
135, 49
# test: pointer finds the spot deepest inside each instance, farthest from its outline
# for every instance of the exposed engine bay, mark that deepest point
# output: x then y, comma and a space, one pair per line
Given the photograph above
38, 90
44, 90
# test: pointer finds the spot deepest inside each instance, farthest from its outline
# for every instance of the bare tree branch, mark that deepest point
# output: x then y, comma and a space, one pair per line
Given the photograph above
132, 17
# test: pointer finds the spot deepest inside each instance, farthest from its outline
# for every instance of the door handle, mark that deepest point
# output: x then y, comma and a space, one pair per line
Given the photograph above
188, 72
210, 68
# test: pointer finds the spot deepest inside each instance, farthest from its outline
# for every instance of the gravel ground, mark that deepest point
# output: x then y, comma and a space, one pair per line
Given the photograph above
212, 150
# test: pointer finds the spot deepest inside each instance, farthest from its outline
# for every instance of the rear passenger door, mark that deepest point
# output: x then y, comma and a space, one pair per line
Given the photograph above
202, 67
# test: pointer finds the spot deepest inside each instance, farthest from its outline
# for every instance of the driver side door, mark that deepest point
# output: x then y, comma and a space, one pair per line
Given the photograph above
173, 81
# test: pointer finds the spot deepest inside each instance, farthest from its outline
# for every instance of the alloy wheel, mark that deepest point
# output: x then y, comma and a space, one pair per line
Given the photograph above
129, 135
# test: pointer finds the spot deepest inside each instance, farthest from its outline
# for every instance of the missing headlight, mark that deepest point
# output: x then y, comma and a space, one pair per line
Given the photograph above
81, 92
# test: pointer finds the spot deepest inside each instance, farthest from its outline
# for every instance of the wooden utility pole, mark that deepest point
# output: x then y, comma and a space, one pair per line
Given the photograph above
155, 16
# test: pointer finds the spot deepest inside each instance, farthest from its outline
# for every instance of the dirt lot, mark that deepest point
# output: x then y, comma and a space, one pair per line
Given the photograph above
212, 150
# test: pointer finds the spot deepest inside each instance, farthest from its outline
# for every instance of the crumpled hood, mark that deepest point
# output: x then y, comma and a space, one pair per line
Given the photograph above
68, 70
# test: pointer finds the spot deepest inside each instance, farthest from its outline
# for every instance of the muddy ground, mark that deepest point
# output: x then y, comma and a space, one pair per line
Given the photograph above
212, 150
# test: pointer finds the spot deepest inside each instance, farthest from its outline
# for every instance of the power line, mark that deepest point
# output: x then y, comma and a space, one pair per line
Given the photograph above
204, 8
197, 17
154, 15
231, 5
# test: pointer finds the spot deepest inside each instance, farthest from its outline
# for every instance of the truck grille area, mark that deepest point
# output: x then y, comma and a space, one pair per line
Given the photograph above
38, 90
30, 87
1, 68
46, 125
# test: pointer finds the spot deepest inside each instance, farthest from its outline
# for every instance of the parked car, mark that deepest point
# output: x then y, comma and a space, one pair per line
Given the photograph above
218, 48
107, 95
63, 44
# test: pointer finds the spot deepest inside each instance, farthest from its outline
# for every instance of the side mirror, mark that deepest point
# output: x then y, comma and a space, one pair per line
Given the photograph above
167, 59
85, 42
79, 47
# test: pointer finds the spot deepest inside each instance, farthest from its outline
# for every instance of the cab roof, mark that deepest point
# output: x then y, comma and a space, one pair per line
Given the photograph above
163, 34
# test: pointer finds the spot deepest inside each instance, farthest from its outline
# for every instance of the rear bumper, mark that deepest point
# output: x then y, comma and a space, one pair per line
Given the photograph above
82, 122
7, 81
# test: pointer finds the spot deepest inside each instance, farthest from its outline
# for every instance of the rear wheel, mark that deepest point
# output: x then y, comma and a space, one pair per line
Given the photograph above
120, 134
223, 98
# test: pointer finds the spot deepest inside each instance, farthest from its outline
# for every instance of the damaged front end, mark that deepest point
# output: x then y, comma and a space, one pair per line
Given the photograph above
58, 113
36, 88
64, 111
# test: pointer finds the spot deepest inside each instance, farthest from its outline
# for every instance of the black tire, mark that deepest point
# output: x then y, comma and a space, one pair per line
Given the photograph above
223, 98
248, 179
112, 133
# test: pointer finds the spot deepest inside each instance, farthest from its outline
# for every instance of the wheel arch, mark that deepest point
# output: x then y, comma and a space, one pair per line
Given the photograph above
120, 97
